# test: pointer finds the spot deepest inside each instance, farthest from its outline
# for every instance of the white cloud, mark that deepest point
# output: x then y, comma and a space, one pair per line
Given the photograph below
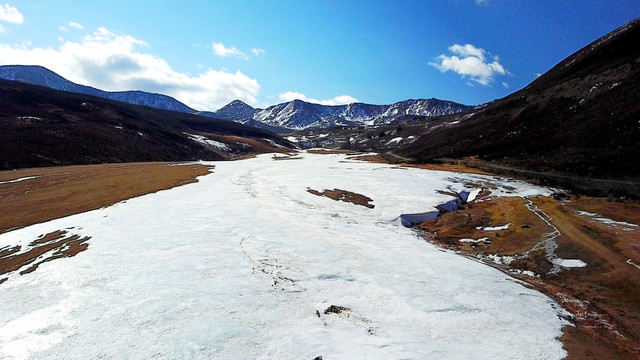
506, 85
467, 50
471, 62
2, 29
114, 62
482, 2
62, 28
338, 100
76, 25
10, 14
223, 51
257, 52
537, 74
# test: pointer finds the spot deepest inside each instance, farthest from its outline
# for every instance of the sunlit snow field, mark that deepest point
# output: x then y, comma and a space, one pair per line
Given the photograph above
243, 264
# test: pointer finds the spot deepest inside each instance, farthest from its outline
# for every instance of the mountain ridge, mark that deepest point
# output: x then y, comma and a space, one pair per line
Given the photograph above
300, 115
39, 75
282, 117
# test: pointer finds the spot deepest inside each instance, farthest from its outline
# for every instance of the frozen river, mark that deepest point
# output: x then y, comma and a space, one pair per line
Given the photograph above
244, 263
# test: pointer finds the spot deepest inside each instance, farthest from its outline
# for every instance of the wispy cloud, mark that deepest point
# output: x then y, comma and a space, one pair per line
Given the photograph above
338, 100
221, 50
471, 62
257, 52
506, 85
482, 2
10, 14
76, 25
113, 61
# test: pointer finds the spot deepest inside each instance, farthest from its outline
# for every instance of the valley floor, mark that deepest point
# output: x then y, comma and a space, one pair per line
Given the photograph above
258, 260
31, 196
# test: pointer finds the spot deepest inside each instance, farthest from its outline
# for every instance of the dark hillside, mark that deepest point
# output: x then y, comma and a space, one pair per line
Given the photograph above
44, 127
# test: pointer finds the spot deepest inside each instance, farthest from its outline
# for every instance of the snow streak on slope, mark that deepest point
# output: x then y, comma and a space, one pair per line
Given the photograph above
245, 264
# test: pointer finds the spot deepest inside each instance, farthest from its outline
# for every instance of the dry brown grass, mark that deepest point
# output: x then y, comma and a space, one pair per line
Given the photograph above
62, 191
57, 244
604, 295
438, 167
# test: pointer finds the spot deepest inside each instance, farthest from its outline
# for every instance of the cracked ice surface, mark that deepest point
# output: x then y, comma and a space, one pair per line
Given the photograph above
242, 265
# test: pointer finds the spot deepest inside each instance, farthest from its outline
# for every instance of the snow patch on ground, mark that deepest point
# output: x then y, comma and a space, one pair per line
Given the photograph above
630, 262
205, 141
29, 118
475, 241
602, 219
394, 141
18, 180
523, 272
494, 228
498, 259
275, 144
473, 194
569, 263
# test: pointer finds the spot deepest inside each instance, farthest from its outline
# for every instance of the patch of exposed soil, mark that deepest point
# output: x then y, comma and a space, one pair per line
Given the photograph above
604, 295
62, 191
346, 196
55, 245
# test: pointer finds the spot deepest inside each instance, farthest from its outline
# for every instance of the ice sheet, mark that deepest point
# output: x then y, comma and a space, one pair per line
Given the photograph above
242, 265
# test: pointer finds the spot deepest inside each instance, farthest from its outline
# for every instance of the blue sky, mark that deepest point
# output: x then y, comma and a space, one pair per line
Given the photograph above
207, 53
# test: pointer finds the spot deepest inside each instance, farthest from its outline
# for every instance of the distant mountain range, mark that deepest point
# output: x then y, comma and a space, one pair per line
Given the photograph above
293, 115
299, 115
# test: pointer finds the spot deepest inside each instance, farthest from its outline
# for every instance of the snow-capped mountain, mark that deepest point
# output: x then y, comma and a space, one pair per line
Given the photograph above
42, 76
235, 110
298, 114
